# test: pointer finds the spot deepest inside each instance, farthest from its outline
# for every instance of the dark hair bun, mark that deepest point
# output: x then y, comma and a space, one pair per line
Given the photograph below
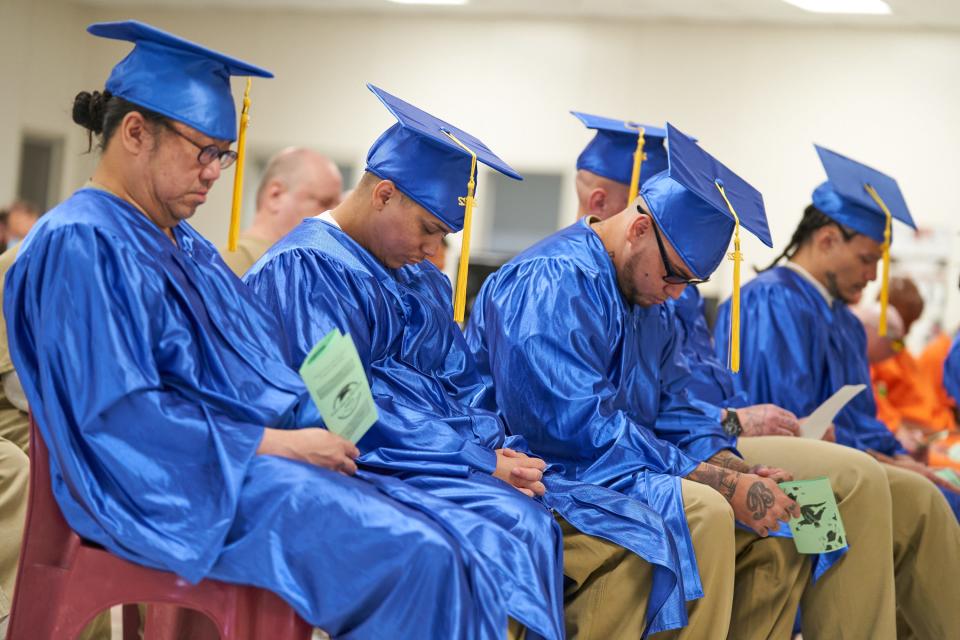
89, 110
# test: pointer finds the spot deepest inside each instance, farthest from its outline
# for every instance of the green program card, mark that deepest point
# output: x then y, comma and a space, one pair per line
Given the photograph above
819, 528
338, 385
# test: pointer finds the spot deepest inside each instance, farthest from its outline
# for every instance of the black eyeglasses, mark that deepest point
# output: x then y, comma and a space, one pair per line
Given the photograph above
672, 276
208, 153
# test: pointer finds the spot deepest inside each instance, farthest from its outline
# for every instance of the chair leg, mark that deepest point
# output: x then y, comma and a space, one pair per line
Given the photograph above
131, 621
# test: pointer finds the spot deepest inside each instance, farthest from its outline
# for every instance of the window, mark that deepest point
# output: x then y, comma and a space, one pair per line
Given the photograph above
41, 164
523, 212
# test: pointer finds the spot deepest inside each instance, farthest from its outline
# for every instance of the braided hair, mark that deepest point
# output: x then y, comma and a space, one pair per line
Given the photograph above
812, 220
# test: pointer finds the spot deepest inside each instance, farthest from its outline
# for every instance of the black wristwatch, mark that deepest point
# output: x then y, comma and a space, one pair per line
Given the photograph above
731, 424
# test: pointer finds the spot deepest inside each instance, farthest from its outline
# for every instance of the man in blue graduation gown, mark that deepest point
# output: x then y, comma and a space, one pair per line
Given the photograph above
179, 439
604, 174
561, 331
801, 343
361, 268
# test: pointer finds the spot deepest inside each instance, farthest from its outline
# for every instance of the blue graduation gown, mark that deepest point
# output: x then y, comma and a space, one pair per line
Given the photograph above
152, 372
951, 370
712, 383
797, 350
591, 381
432, 431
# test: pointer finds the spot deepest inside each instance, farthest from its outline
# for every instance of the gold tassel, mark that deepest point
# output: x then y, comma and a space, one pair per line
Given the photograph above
737, 258
460, 296
234, 233
885, 278
638, 159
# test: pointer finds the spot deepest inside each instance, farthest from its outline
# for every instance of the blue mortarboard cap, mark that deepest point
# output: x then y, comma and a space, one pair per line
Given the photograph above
690, 210
845, 199
176, 78
419, 157
610, 153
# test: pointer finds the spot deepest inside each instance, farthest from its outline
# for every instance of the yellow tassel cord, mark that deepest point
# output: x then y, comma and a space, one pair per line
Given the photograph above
638, 158
885, 278
737, 258
234, 233
460, 296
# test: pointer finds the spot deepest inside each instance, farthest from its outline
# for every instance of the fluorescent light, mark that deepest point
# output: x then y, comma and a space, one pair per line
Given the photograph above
872, 7
434, 2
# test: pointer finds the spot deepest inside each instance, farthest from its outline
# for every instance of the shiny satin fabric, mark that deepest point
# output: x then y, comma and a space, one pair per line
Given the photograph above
797, 350
431, 431
951, 370
152, 371
592, 383
712, 384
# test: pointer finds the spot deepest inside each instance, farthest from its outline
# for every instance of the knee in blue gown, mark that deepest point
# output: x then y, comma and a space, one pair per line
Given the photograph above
348, 558
525, 529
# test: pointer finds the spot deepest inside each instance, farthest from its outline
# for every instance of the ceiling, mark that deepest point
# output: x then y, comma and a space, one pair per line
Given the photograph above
942, 14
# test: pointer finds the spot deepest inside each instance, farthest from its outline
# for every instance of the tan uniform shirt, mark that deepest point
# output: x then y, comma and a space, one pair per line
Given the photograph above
248, 251
14, 424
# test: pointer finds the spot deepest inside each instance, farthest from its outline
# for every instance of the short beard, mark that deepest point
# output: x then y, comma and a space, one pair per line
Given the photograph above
834, 289
628, 286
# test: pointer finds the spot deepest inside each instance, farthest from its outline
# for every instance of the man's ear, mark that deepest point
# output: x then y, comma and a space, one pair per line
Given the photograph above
135, 135
826, 238
596, 201
381, 194
275, 188
639, 227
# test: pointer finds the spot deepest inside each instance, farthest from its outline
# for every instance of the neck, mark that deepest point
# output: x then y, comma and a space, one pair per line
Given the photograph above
109, 176
611, 232
352, 217
804, 258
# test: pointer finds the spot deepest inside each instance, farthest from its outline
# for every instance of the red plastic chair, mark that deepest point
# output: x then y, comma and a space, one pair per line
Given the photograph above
64, 582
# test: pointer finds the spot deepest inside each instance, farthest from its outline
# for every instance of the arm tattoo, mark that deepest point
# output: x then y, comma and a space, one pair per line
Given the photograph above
727, 460
723, 480
759, 500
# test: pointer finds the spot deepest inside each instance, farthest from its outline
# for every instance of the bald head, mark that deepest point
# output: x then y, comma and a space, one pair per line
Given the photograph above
879, 347
599, 196
906, 299
298, 183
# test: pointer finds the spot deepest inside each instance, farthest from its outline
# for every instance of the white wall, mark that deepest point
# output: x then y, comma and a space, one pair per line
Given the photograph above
756, 96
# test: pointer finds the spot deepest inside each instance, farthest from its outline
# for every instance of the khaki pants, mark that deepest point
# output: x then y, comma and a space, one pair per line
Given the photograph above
751, 585
14, 478
855, 598
926, 556
606, 588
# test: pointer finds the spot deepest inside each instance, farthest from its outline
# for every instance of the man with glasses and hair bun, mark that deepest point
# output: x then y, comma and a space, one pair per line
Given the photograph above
178, 437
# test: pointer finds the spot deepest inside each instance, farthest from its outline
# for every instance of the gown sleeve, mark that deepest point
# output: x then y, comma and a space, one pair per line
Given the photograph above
312, 294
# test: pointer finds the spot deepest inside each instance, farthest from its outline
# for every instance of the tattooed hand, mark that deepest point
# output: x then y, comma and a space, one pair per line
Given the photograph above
767, 420
757, 502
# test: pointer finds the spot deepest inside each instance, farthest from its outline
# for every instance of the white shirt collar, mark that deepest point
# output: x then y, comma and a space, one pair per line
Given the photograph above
803, 273
327, 216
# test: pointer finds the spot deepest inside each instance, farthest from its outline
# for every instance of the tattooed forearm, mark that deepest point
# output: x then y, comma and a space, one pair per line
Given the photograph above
723, 480
727, 460
759, 500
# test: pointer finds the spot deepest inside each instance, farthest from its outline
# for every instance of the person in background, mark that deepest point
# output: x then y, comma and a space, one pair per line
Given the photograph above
916, 409
297, 183
21, 216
